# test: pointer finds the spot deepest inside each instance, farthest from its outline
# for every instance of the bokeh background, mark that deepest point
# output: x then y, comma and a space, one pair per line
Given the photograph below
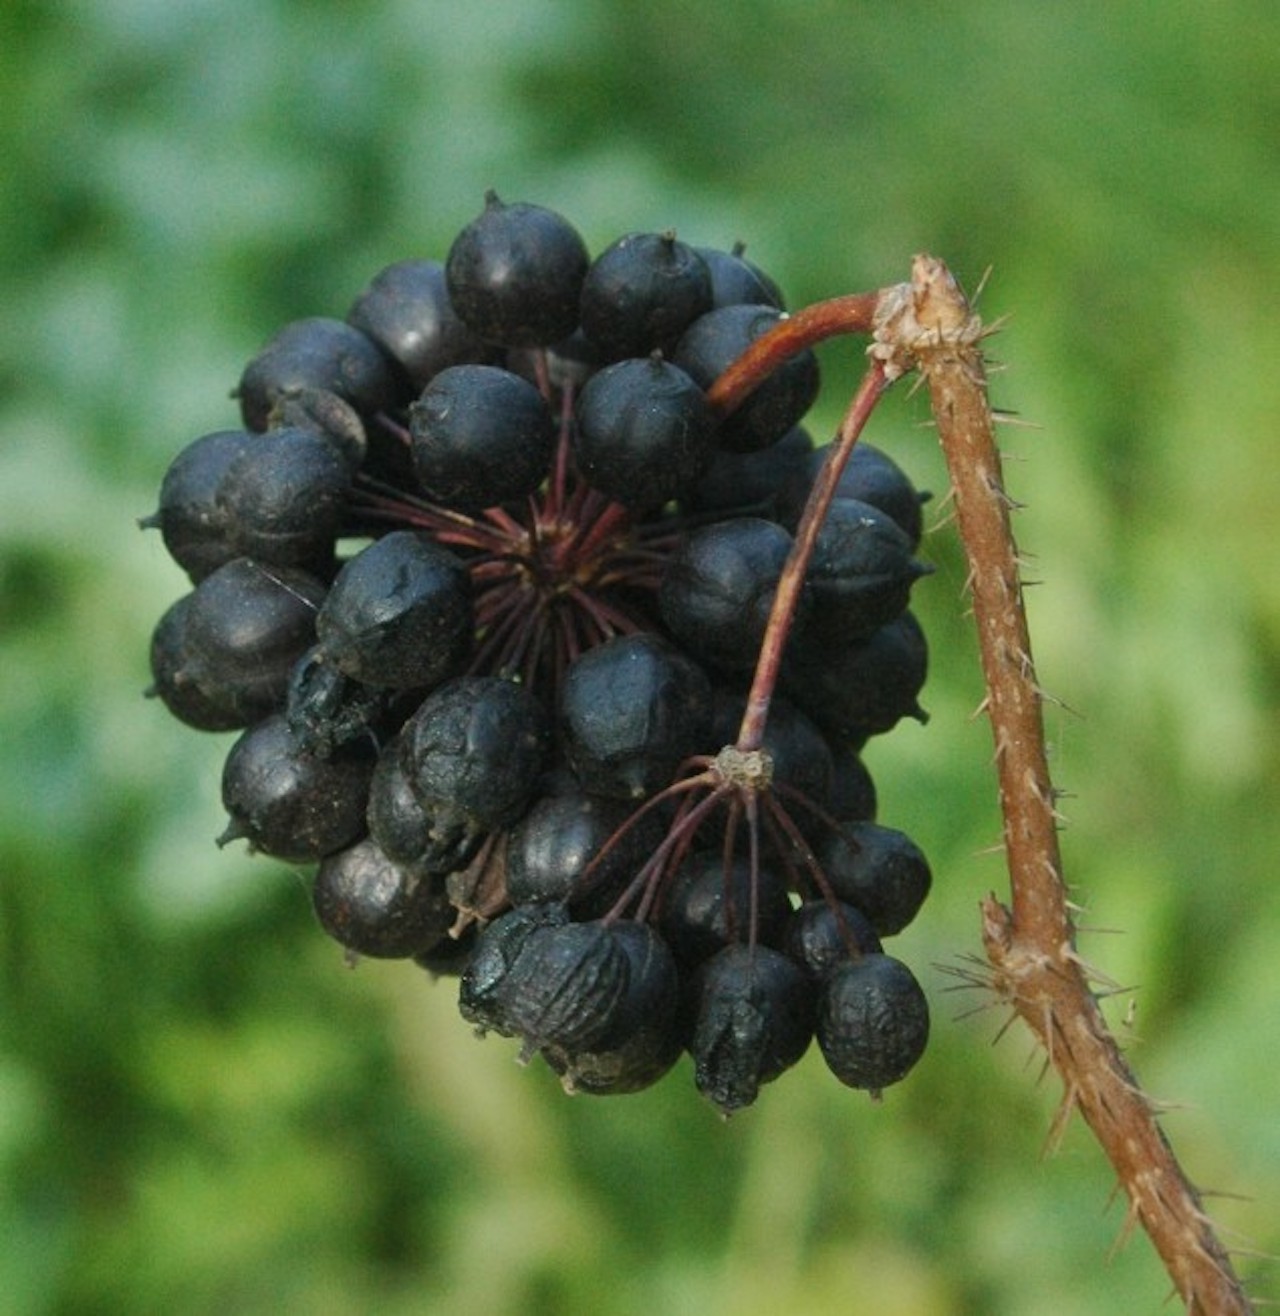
201, 1109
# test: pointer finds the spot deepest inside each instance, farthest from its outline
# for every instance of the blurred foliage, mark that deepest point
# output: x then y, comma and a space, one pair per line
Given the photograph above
200, 1109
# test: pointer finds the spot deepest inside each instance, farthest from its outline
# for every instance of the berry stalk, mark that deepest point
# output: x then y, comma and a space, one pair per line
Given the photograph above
791, 582
853, 313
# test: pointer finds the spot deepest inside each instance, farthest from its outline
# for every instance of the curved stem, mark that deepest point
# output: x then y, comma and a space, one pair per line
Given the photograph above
787, 596
851, 314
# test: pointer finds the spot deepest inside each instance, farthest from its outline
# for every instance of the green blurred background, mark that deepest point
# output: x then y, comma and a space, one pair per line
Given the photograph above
201, 1109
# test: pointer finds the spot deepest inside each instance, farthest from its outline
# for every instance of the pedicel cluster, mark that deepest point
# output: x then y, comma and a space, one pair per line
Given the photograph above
479, 575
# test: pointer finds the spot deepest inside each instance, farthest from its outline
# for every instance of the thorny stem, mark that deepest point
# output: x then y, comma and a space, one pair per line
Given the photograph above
927, 325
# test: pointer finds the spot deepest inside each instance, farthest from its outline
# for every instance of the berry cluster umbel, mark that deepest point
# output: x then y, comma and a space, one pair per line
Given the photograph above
482, 580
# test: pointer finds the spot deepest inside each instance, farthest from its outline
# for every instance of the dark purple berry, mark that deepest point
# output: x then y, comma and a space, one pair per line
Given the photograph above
633, 709
742, 483
865, 688
322, 353
708, 907
568, 364
568, 987
405, 309
736, 281
641, 293
326, 414
481, 436
870, 476
283, 499
190, 518
397, 819
484, 990
515, 274
399, 614
644, 1038
880, 871
246, 627
174, 681
551, 852
799, 754
374, 906
644, 432
859, 578
289, 803
821, 935
754, 1019
715, 341
325, 708
473, 754
852, 797
873, 1022
718, 590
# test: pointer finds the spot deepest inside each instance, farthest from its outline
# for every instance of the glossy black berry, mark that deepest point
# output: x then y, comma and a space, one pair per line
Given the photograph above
742, 483
755, 1016
736, 281
515, 274
800, 756
374, 906
873, 1022
565, 365
485, 989
176, 684
644, 1038
644, 432
246, 627
283, 499
325, 414
865, 688
714, 341
399, 614
880, 870
405, 309
190, 517
326, 708
641, 293
552, 851
860, 576
852, 797
719, 586
481, 436
820, 935
290, 803
568, 987
632, 710
397, 819
709, 906
321, 353
473, 754
871, 476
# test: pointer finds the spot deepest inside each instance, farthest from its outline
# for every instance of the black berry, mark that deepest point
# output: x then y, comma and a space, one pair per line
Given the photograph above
515, 274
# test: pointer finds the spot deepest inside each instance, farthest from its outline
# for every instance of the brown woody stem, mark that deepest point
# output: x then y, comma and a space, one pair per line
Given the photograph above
927, 325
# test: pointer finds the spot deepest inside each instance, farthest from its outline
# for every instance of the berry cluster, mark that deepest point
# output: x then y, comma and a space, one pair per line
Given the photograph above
483, 580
